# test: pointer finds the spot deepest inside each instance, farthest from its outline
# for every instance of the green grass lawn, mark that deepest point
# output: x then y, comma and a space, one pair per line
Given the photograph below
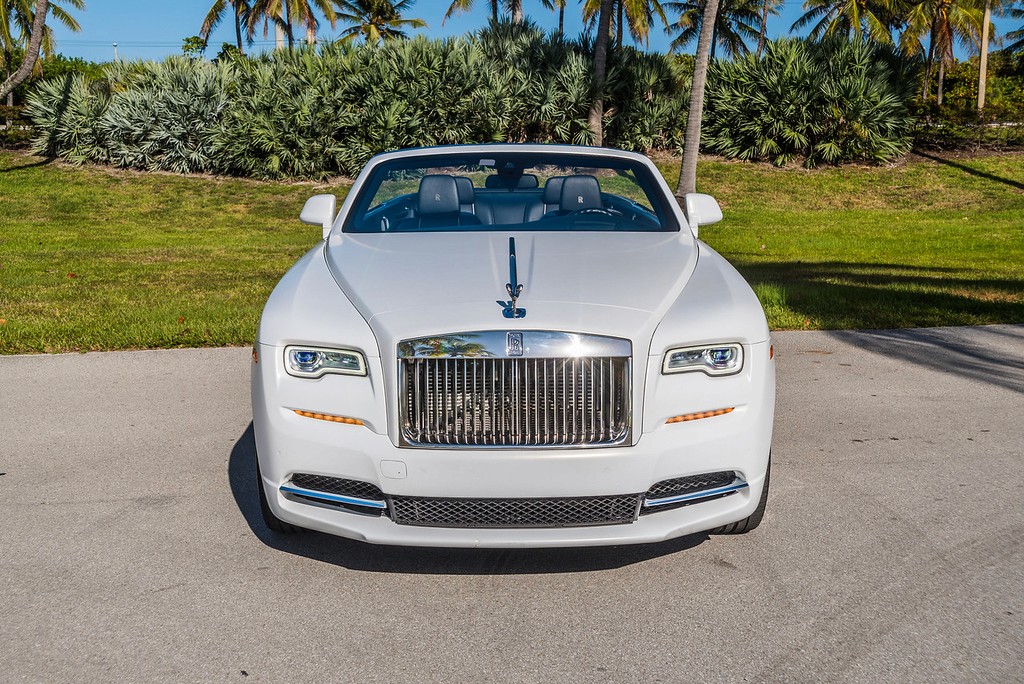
926, 243
92, 258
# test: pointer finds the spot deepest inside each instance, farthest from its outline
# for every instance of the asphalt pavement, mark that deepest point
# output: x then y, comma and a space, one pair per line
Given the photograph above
131, 547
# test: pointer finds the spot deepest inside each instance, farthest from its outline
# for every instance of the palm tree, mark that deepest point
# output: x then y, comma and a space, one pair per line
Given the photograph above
514, 7
1016, 36
736, 23
375, 19
983, 57
18, 15
640, 15
691, 143
946, 22
596, 117
1001, 7
18, 30
768, 7
871, 19
285, 13
560, 6
31, 51
635, 16
241, 9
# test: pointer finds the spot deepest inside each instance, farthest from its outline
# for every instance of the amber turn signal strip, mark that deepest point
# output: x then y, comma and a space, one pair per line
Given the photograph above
697, 416
328, 417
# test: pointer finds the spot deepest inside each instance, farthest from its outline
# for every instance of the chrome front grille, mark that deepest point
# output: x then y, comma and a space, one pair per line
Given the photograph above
488, 401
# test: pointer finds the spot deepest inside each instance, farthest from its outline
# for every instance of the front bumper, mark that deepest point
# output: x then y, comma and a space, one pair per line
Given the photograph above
289, 443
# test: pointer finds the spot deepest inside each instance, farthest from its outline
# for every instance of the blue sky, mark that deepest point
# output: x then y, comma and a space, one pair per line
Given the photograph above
148, 29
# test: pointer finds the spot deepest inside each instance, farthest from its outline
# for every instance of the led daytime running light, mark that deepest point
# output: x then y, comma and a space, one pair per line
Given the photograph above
687, 417
328, 417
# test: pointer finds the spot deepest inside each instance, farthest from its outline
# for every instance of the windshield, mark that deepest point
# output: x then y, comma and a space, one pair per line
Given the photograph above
540, 191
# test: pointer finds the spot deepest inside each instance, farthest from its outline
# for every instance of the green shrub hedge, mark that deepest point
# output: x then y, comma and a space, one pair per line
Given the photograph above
315, 114
833, 101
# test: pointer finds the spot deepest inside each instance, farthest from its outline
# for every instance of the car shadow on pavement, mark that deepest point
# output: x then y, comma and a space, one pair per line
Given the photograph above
373, 558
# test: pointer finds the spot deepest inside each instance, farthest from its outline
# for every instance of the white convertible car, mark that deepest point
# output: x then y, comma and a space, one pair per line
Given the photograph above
511, 346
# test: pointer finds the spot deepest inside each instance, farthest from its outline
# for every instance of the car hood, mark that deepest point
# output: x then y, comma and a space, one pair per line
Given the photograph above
409, 285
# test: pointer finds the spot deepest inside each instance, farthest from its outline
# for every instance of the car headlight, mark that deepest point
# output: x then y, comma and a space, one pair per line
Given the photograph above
719, 359
312, 362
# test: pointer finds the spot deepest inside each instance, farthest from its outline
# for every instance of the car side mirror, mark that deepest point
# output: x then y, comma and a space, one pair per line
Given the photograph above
701, 210
320, 210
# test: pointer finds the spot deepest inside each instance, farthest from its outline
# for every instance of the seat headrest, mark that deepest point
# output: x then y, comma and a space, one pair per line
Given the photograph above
437, 195
527, 181
553, 190
465, 188
580, 192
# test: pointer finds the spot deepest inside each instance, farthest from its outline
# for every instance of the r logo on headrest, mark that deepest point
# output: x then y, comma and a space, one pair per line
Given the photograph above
437, 197
579, 199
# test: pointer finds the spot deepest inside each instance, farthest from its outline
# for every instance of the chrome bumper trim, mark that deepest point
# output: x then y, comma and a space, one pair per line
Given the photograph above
336, 498
693, 496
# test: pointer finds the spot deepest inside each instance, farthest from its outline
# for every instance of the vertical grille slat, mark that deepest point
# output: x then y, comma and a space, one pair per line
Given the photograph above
518, 402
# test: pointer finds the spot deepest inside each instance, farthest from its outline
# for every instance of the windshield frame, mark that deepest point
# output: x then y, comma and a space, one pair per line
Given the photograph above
661, 208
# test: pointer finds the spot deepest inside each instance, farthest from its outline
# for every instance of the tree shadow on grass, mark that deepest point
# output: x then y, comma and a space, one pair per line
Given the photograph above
971, 171
373, 558
44, 161
838, 296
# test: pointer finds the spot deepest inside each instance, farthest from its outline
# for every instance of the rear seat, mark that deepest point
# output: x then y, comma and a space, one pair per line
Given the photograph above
498, 205
501, 206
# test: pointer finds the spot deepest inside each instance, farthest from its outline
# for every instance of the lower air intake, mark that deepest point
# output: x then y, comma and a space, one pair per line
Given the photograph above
692, 483
689, 490
339, 486
514, 513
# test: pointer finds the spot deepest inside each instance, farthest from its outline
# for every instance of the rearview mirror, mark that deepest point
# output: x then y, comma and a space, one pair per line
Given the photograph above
320, 210
701, 210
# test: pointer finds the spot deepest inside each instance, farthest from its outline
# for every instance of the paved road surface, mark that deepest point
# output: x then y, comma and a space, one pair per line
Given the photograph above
131, 547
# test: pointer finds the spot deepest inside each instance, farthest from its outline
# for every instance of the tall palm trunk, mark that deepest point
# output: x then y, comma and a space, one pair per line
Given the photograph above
596, 118
10, 96
942, 78
561, 20
691, 143
927, 85
517, 11
619, 32
494, 11
764, 28
286, 15
983, 61
238, 31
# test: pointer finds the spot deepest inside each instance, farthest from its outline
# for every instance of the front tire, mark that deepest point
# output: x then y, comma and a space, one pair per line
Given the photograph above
754, 519
272, 521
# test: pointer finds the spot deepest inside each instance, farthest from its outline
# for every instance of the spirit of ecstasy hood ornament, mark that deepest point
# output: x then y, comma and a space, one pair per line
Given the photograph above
513, 287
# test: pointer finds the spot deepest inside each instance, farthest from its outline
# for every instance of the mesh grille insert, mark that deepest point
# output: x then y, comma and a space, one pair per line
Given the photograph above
521, 513
339, 486
693, 483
